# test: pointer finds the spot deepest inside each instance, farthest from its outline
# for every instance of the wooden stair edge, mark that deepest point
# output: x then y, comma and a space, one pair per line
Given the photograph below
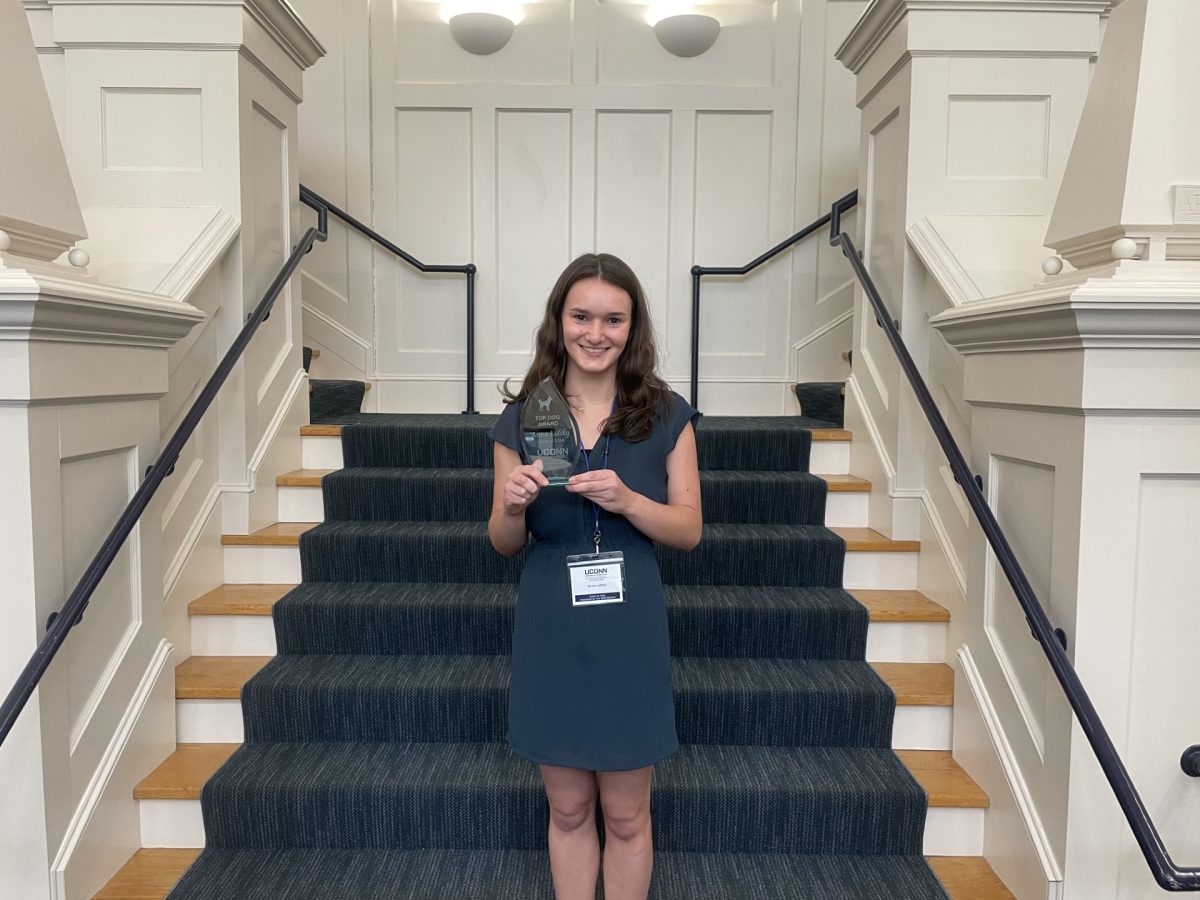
832, 435
148, 875
183, 774
151, 873
969, 878
311, 478
258, 600
287, 534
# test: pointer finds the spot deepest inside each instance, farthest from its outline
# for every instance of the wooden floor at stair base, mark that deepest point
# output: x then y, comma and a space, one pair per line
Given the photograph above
150, 875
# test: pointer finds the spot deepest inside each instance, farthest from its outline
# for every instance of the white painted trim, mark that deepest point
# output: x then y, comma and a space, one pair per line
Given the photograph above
82, 816
191, 538
923, 728
954, 280
824, 329
953, 831
299, 380
336, 326
1012, 774
198, 260
943, 538
885, 461
681, 378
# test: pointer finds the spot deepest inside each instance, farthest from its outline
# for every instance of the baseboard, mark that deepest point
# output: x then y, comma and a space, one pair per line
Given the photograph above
1022, 855
82, 864
191, 538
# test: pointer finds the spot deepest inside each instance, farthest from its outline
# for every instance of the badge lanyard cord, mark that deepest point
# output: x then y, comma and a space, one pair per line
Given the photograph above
604, 465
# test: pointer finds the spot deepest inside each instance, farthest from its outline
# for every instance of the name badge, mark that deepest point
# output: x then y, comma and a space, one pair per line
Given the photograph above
597, 578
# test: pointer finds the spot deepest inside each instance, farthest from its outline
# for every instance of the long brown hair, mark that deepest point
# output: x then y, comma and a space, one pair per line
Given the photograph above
640, 390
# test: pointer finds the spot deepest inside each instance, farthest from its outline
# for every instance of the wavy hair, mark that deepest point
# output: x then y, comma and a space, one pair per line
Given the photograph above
640, 391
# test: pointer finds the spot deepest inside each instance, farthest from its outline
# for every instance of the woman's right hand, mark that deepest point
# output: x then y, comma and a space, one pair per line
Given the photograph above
522, 487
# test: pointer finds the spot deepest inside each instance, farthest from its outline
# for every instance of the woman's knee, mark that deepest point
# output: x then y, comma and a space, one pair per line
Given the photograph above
626, 804
572, 800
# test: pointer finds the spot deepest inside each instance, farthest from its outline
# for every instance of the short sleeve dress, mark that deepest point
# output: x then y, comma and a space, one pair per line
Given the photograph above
591, 685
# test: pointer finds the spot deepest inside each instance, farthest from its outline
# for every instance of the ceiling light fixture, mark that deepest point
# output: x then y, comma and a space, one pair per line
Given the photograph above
687, 34
481, 27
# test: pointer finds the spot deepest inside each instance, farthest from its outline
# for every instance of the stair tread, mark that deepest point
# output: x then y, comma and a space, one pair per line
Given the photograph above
287, 534
818, 434
151, 873
969, 878
312, 478
182, 775
239, 600
259, 599
222, 678
148, 875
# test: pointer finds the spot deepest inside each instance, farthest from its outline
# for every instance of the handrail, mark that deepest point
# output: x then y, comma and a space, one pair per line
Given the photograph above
60, 624
319, 203
1168, 875
700, 271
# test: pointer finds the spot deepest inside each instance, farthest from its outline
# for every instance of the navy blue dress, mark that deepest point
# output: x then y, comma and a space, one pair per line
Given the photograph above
591, 685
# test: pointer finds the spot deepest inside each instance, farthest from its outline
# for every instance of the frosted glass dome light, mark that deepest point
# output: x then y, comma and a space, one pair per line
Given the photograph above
687, 34
483, 26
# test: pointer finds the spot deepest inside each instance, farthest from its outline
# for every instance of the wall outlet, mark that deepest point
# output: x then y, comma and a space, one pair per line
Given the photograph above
1187, 204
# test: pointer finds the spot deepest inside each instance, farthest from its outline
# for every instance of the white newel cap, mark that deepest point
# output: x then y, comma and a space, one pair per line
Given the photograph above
1133, 175
39, 211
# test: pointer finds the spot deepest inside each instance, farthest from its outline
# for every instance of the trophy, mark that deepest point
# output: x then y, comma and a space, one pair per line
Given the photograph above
550, 433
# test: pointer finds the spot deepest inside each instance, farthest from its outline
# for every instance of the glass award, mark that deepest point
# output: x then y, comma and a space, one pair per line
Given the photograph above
550, 433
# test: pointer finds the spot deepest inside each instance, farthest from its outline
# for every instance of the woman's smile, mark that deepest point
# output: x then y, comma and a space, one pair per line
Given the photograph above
595, 324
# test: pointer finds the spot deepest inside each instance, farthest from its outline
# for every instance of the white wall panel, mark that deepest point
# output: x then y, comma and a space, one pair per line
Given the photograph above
425, 323
733, 201
1022, 493
94, 490
152, 129
1162, 720
633, 199
533, 218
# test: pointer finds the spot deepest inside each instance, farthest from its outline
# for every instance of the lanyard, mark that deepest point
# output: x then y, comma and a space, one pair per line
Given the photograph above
603, 465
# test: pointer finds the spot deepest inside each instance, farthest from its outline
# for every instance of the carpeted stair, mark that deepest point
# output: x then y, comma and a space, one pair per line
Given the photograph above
332, 399
824, 401
374, 764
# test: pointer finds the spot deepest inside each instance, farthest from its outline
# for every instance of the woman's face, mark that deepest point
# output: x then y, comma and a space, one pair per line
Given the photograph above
595, 324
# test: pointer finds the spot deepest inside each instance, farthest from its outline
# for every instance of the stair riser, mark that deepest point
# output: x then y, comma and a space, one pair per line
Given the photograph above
180, 823
826, 457
843, 509
466, 446
867, 570
912, 642
457, 714
220, 722
414, 495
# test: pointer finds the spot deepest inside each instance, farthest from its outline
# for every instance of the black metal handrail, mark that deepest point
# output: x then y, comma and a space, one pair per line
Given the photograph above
699, 272
319, 203
60, 624
1168, 875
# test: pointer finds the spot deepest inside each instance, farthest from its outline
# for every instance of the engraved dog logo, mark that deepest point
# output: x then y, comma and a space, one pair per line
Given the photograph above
544, 404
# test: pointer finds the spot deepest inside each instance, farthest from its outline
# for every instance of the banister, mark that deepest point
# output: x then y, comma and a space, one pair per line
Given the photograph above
1169, 876
61, 623
699, 272
323, 206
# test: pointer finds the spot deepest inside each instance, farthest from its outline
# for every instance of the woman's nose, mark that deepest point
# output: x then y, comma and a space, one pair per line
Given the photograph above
595, 331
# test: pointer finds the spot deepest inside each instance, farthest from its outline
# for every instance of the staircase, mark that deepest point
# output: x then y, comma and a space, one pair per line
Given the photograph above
346, 735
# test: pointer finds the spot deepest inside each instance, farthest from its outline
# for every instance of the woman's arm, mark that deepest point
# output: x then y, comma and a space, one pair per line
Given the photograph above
676, 523
514, 487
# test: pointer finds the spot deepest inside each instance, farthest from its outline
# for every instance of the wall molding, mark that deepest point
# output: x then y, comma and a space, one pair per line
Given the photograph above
941, 262
82, 816
299, 380
1021, 792
819, 333
943, 538
881, 452
191, 538
197, 261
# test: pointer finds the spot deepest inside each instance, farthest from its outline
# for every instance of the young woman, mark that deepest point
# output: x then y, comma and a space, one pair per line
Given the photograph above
590, 698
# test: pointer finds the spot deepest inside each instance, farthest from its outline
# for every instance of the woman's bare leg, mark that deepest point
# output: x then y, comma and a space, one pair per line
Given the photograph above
628, 845
574, 842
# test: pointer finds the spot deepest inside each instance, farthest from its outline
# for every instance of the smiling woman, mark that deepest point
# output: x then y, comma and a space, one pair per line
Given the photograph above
590, 697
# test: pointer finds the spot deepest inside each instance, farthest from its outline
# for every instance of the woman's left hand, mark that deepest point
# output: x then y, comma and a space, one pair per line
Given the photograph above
604, 488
